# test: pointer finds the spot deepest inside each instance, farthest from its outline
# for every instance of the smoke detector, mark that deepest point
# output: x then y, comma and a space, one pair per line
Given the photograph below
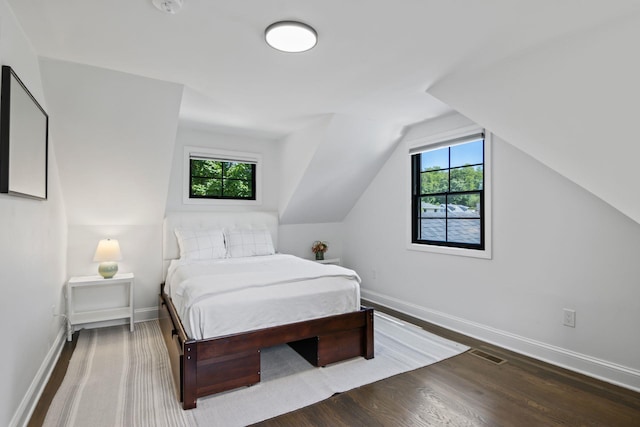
168, 6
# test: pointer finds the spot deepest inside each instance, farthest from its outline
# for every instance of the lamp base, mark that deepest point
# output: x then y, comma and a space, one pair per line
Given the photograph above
108, 269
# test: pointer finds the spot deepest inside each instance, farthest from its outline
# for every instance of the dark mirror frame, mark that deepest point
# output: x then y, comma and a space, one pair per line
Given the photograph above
24, 140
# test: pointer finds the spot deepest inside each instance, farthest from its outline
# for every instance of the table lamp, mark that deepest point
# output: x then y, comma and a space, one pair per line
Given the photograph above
107, 253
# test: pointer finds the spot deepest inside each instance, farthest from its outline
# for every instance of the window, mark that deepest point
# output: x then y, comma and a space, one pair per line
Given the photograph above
448, 203
221, 177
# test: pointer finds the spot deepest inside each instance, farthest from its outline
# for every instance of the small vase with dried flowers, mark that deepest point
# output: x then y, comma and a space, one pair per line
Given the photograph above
319, 248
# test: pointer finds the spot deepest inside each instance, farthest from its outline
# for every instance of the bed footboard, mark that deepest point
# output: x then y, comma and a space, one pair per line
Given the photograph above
333, 347
208, 366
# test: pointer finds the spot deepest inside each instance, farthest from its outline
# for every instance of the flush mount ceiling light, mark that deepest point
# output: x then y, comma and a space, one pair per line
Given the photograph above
169, 6
290, 36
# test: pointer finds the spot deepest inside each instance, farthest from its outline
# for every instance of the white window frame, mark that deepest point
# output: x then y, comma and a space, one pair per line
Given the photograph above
217, 154
432, 142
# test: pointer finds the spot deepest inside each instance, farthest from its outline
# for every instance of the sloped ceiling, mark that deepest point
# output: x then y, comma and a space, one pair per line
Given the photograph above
374, 62
114, 136
325, 178
572, 103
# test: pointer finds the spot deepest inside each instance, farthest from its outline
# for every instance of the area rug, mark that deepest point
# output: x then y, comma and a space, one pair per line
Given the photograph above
118, 378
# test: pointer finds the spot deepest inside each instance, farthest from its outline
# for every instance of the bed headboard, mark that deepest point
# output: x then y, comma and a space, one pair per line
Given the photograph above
203, 220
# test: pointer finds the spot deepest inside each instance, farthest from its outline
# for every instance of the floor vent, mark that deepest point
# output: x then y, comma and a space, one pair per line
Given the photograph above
490, 357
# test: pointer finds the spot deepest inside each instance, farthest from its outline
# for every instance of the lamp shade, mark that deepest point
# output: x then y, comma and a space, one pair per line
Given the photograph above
108, 250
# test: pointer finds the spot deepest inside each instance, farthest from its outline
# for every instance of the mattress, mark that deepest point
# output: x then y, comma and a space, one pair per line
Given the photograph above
232, 295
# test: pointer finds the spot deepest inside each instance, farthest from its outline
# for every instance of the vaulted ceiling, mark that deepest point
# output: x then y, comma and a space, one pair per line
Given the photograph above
394, 63
374, 57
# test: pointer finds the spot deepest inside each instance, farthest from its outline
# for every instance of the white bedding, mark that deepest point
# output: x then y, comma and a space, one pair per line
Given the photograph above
226, 296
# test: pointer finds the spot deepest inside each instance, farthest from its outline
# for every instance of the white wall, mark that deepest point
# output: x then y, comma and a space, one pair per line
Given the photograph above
297, 239
117, 134
555, 246
268, 148
33, 241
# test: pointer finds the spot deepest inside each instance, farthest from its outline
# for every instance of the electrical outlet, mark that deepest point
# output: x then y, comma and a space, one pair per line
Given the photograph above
374, 274
53, 310
569, 317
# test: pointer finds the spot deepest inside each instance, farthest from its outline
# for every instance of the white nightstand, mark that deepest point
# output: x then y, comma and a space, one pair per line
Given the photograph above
95, 299
335, 261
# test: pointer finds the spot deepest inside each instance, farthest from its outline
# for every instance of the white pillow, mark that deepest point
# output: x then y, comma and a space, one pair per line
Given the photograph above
201, 244
249, 242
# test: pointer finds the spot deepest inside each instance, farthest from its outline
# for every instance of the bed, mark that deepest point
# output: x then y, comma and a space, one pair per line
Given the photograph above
217, 311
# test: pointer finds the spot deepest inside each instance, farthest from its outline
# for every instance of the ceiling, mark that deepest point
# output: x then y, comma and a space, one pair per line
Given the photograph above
374, 58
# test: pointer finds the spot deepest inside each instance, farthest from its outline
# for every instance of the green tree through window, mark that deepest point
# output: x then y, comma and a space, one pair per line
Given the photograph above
221, 179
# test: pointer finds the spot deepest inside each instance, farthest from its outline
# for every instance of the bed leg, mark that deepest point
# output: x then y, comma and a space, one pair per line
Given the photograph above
189, 374
368, 335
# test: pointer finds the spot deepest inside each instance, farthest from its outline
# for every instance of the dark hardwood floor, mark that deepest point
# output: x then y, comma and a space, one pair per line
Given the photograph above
465, 390
40, 411
468, 390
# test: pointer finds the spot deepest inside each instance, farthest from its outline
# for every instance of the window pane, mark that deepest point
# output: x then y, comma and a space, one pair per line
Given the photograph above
433, 229
237, 188
206, 187
470, 153
464, 205
435, 159
434, 182
206, 168
466, 178
432, 207
238, 170
463, 230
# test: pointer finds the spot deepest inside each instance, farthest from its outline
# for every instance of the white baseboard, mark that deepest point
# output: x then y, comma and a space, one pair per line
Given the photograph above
28, 404
582, 363
145, 314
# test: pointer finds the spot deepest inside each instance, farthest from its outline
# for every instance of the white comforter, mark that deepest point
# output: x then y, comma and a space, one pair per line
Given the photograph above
220, 297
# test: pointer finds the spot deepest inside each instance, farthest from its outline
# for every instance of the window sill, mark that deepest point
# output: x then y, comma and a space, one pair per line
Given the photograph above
220, 202
471, 253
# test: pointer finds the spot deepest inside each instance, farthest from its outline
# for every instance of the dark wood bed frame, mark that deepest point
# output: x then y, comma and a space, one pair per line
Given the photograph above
208, 366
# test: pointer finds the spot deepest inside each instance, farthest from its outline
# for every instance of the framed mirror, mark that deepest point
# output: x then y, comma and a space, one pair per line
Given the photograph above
24, 140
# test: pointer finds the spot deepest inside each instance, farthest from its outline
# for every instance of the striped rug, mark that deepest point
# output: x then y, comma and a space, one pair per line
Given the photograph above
118, 378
